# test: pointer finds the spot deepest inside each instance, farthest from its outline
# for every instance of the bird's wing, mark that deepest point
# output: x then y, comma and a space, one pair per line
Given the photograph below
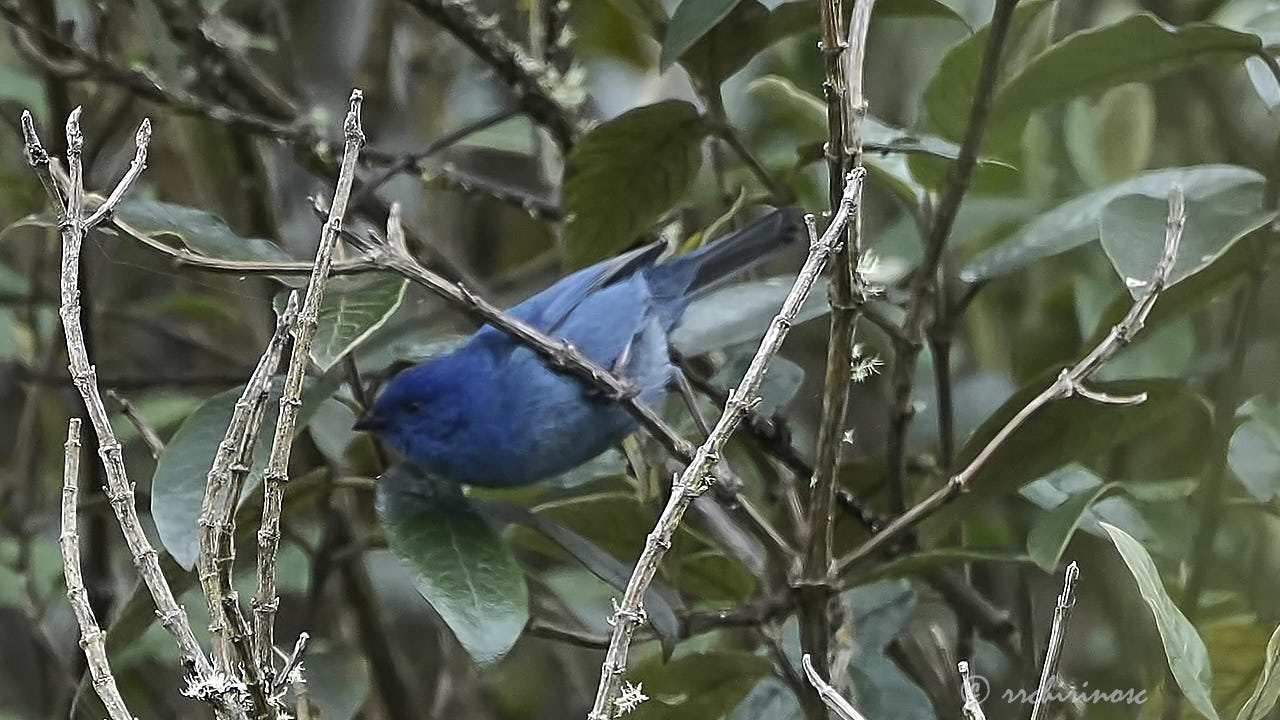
549, 309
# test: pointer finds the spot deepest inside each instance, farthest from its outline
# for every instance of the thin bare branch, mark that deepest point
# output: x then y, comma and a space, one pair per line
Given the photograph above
830, 696
547, 97
119, 489
1070, 382
972, 708
1053, 652
265, 600
136, 166
91, 635
227, 624
697, 477
149, 436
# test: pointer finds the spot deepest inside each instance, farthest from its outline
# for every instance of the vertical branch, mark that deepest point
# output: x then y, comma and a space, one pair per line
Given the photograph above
217, 544
697, 478
846, 107
924, 286
265, 601
1052, 653
72, 227
91, 635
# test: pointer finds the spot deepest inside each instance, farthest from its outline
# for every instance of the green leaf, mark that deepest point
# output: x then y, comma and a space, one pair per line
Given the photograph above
353, 308
949, 95
697, 686
916, 9
177, 487
1254, 450
746, 31
1050, 535
9, 346
459, 563
1185, 650
740, 313
1138, 48
200, 231
691, 20
1132, 230
625, 173
1075, 222
1267, 690
1071, 429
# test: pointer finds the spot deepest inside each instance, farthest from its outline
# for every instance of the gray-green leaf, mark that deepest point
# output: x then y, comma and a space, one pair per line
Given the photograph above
1133, 228
1075, 222
351, 310
1188, 657
200, 231
1254, 451
459, 564
1050, 535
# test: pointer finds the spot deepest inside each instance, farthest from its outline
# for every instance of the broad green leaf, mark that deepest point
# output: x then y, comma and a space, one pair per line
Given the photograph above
1075, 222
1183, 647
1267, 689
697, 686
459, 563
1138, 48
332, 429
781, 382
200, 231
1052, 532
352, 309
12, 282
660, 604
768, 700
916, 9
691, 20
1071, 429
739, 313
1254, 450
177, 487
338, 682
949, 95
1111, 140
746, 31
625, 173
1132, 230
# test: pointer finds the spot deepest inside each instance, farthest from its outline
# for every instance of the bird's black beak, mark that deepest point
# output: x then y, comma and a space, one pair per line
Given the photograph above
370, 423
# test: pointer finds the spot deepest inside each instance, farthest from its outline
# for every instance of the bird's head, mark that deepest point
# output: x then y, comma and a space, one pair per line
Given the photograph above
418, 405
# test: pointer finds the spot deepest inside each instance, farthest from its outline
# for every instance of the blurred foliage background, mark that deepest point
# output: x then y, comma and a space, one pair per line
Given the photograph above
674, 120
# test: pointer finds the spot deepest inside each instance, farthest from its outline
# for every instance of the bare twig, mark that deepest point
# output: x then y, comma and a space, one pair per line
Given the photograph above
545, 96
1070, 382
217, 550
91, 635
265, 600
119, 488
925, 284
697, 477
972, 708
846, 107
1053, 652
154, 444
830, 696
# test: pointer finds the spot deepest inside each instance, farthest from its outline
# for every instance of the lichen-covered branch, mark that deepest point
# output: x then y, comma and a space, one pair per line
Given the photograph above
226, 475
266, 600
91, 635
119, 490
697, 477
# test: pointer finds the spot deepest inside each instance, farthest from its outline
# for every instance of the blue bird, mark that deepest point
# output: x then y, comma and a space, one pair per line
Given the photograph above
492, 414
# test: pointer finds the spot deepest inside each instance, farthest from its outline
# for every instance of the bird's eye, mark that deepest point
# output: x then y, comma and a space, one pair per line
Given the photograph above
415, 406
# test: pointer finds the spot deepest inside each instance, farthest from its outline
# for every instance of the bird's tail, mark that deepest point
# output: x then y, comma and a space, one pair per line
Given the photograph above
689, 275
